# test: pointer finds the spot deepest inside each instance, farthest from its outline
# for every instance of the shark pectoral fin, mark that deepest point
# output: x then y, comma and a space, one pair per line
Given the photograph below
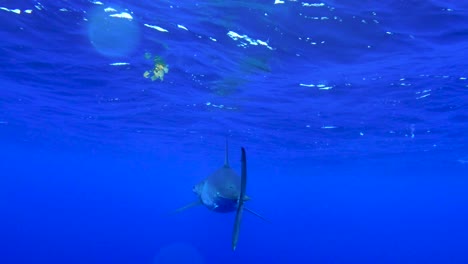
188, 206
257, 214
235, 234
240, 207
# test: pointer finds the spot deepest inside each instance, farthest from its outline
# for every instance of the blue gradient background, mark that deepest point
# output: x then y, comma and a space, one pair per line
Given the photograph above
372, 169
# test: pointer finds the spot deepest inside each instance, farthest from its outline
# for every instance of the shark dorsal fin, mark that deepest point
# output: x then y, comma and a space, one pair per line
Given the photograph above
226, 157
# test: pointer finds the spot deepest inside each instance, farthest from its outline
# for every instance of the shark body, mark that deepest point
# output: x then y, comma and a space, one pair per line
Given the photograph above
224, 191
220, 192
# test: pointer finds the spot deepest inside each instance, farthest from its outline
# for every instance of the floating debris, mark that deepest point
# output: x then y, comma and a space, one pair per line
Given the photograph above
159, 70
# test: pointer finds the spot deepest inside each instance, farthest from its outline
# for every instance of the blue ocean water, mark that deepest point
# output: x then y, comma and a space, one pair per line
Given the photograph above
354, 115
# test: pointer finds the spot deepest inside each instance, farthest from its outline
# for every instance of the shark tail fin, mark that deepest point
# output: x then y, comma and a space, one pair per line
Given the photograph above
240, 206
188, 206
226, 157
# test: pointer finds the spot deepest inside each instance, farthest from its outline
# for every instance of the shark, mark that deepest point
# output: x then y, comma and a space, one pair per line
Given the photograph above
224, 191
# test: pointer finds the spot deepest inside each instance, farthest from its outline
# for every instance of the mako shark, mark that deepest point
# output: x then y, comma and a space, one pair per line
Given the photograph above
224, 191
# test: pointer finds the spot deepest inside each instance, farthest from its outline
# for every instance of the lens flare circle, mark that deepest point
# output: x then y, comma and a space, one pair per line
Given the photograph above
178, 253
113, 31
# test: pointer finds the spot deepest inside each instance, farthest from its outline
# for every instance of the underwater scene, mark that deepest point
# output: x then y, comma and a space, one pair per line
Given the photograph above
270, 131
